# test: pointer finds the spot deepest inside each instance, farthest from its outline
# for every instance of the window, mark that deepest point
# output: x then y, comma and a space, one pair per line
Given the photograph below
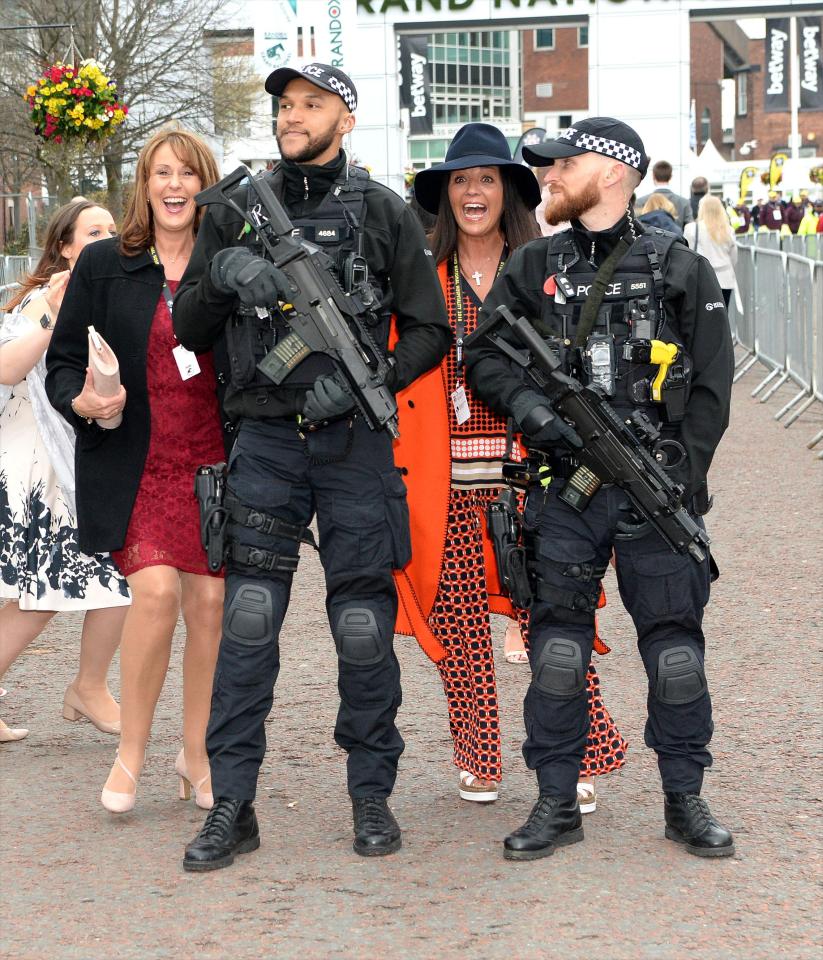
742, 94
583, 36
564, 121
544, 39
471, 76
543, 90
706, 125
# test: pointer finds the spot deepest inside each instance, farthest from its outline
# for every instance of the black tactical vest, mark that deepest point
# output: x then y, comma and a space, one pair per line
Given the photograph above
632, 310
337, 227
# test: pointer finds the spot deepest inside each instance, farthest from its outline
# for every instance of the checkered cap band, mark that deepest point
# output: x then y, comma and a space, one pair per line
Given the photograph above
610, 148
334, 83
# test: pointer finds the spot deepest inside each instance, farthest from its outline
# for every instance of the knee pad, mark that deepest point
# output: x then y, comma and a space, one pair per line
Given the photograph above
248, 616
357, 637
559, 670
680, 676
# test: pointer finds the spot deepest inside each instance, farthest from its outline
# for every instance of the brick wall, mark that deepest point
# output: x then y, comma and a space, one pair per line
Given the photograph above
566, 68
706, 74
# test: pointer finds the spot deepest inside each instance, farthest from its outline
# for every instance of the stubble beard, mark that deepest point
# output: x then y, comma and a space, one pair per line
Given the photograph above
563, 207
311, 149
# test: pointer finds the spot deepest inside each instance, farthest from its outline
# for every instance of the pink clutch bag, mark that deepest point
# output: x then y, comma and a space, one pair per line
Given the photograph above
105, 372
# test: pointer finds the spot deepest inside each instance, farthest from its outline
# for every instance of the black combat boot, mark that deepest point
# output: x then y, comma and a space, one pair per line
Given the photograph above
690, 822
553, 822
230, 828
376, 832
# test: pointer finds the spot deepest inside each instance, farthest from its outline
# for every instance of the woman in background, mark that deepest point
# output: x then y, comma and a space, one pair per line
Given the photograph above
42, 569
659, 211
712, 236
135, 483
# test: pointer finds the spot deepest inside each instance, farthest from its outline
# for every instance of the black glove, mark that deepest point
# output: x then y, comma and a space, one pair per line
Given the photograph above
257, 282
327, 399
543, 427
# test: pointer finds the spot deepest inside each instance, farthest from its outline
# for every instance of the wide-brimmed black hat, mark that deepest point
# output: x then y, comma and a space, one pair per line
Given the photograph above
604, 135
322, 75
475, 145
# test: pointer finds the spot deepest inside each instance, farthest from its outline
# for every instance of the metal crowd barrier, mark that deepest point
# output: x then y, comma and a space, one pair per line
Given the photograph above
13, 269
781, 323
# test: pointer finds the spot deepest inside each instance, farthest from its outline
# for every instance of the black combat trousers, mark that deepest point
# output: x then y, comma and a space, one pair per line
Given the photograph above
664, 593
345, 474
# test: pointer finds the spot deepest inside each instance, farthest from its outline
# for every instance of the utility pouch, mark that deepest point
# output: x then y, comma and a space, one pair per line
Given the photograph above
246, 345
504, 523
210, 489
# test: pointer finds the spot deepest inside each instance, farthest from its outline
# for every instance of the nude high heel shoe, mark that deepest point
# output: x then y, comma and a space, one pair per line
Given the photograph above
9, 735
203, 799
74, 708
119, 802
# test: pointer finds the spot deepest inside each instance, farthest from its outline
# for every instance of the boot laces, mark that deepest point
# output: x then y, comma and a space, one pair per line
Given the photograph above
539, 812
372, 813
699, 809
219, 819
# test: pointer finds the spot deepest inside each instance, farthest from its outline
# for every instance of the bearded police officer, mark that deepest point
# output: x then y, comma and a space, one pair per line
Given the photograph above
657, 290
303, 449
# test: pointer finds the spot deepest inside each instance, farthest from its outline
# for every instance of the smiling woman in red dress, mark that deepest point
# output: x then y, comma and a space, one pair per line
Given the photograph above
135, 482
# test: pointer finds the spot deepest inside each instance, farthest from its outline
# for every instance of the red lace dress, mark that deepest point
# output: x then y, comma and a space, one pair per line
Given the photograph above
164, 528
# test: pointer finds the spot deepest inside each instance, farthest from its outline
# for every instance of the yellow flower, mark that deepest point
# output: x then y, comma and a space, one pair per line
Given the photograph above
30, 92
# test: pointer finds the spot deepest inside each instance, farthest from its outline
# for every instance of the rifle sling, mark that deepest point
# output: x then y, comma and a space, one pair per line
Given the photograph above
588, 314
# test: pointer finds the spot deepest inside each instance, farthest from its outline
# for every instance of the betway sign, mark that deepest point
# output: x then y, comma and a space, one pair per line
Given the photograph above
811, 68
777, 63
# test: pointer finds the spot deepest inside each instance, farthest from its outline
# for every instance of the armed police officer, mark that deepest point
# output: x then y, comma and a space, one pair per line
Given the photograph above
639, 316
304, 448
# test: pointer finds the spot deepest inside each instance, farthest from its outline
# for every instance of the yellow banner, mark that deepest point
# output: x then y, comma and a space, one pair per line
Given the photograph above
776, 168
747, 177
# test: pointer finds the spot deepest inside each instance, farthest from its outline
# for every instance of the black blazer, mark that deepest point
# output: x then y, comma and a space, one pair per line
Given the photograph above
118, 296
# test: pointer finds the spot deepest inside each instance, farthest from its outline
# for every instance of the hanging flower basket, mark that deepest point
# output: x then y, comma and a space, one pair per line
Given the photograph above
70, 102
816, 175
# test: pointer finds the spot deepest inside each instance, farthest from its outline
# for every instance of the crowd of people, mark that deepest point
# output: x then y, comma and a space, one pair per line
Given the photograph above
96, 488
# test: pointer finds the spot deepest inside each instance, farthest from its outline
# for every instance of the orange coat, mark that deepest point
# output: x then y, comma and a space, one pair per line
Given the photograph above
423, 455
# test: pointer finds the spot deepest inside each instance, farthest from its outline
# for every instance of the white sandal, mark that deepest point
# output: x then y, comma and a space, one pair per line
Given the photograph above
475, 789
586, 797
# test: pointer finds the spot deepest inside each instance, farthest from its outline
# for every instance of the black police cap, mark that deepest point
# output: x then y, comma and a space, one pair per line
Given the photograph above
604, 135
322, 75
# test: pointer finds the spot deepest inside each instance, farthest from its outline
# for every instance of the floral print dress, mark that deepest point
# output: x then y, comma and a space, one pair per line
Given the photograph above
41, 565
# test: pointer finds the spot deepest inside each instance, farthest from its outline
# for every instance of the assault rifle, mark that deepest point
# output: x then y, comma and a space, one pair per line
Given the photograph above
623, 452
323, 317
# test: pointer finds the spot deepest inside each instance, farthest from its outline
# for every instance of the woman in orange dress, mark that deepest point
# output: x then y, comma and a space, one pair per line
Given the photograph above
451, 452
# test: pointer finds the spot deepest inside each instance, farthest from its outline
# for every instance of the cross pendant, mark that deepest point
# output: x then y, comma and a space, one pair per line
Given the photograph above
477, 276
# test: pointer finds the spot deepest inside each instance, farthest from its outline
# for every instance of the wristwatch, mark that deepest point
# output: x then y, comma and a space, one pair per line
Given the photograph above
45, 322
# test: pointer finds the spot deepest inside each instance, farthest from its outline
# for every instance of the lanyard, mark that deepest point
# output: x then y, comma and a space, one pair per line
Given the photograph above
460, 331
167, 296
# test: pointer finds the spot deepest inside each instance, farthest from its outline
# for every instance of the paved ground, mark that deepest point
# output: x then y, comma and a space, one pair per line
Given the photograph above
78, 883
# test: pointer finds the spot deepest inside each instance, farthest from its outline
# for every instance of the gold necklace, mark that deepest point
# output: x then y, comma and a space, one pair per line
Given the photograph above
166, 257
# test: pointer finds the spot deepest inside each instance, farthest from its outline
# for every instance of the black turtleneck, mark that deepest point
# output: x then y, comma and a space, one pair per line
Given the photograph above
305, 184
604, 240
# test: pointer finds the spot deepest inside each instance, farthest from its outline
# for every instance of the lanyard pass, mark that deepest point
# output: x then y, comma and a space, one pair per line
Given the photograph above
186, 362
